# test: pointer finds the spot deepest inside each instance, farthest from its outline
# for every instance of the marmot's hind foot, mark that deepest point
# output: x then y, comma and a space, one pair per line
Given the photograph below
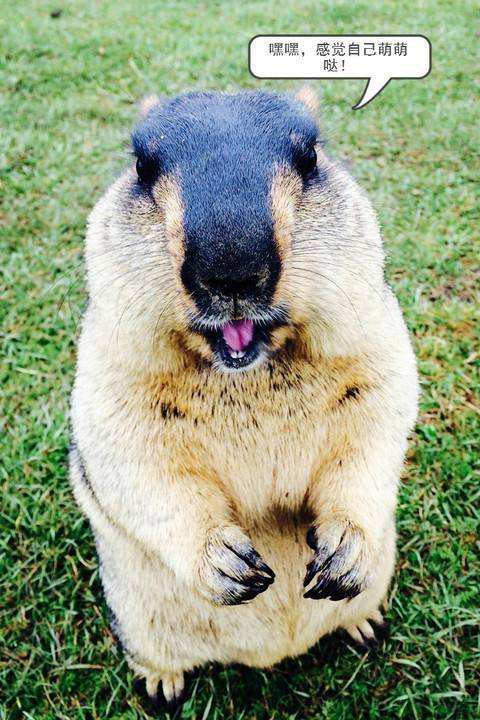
370, 633
162, 693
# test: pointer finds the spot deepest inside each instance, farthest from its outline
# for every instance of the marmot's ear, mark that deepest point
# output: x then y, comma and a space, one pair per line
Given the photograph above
147, 104
308, 98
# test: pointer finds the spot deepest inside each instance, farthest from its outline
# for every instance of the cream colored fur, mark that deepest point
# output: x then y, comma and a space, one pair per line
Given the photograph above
173, 458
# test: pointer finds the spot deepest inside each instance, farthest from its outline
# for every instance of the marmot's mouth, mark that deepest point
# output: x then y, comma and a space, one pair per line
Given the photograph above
239, 343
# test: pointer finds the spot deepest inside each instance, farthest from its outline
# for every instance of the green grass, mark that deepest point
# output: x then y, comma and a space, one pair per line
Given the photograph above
69, 85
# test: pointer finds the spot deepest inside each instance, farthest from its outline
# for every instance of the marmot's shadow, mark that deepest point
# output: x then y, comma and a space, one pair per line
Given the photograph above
286, 689
243, 689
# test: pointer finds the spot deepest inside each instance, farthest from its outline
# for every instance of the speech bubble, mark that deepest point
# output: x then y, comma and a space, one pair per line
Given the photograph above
378, 58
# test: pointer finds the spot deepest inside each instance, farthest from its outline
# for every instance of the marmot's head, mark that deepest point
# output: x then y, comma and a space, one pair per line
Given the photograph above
230, 225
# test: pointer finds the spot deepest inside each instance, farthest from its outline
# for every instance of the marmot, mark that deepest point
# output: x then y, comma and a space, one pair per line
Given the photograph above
244, 391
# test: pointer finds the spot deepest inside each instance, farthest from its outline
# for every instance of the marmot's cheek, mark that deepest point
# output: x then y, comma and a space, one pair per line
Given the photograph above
280, 336
197, 345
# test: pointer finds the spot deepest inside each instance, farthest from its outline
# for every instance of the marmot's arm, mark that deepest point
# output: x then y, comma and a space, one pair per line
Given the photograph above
353, 500
185, 520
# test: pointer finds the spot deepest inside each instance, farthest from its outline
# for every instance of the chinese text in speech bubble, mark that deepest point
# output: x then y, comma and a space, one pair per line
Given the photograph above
378, 58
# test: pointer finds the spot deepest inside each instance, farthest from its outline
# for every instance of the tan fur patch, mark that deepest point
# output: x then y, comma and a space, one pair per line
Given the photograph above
147, 104
191, 346
168, 196
280, 336
285, 196
308, 98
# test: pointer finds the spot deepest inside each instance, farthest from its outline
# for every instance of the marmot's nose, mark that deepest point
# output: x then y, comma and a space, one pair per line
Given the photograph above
216, 274
234, 285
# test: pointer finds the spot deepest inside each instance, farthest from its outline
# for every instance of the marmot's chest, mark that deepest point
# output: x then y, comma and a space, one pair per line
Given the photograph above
260, 434
281, 396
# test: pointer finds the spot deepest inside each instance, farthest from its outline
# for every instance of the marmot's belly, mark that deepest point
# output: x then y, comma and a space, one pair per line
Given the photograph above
278, 623
154, 609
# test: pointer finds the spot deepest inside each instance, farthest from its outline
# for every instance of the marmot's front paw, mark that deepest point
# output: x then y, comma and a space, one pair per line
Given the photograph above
342, 563
231, 570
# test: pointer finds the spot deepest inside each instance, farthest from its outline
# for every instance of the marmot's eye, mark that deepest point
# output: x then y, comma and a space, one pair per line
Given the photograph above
147, 170
307, 163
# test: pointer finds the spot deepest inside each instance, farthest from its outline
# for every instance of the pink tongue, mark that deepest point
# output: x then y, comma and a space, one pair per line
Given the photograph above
238, 334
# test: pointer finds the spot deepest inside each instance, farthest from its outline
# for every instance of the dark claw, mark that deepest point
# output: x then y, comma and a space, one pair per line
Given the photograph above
256, 581
252, 558
245, 596
174, 707
242, 596
349, 592
251, 595
315, 566
333, 588
262, 583
323, 559
370, 643
156, 705
261, 565
237, 592
312, 569
312, 594
381, 630
311, 538
367, 643
363, 646
324, 584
